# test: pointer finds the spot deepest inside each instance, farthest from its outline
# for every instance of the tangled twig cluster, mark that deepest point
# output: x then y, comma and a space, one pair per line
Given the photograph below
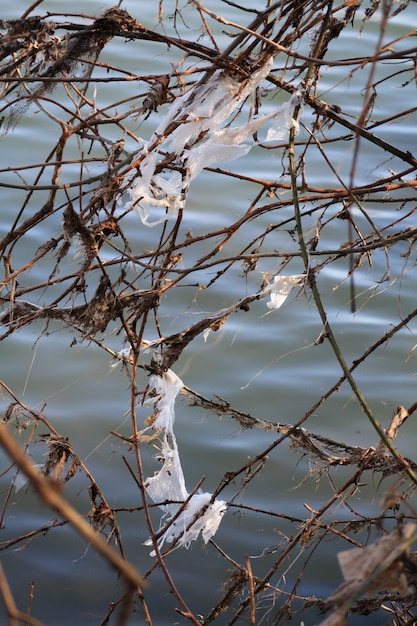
213, 104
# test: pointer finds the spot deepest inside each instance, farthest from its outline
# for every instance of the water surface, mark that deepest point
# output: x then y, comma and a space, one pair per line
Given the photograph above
268, 364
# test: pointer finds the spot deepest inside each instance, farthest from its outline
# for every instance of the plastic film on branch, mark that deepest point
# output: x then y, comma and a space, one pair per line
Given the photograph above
194, 135
193, 515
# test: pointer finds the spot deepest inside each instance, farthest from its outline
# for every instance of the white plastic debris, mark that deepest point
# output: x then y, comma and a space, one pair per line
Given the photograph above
167, 487
20, 480
282, 287
166, 388
192, 136
124, 355
284, 119
203, 156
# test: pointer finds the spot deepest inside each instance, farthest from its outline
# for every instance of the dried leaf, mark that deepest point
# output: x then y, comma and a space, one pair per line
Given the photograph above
363, 564
397, 420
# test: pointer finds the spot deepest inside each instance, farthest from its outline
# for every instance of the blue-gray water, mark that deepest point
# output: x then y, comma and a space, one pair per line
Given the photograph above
263, 363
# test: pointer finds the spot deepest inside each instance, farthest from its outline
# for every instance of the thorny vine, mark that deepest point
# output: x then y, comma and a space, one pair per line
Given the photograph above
96, 278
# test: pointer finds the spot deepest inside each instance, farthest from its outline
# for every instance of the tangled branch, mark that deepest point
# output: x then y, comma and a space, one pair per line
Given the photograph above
97, 242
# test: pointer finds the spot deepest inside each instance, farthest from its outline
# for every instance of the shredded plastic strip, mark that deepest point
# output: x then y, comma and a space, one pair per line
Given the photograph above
192, 136
200, 515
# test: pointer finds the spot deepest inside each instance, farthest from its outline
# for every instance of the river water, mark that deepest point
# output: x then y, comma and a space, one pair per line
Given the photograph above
269, 364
